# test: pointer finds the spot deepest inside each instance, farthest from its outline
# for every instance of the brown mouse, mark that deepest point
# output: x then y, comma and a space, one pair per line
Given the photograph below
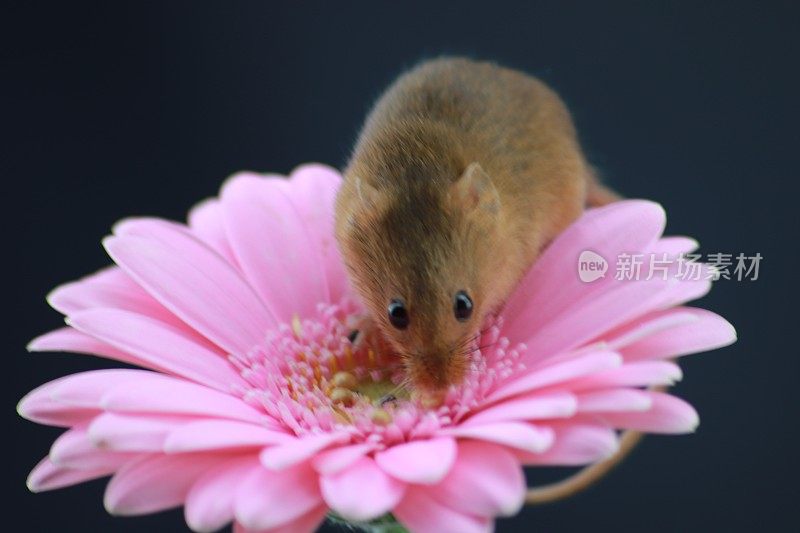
463, 172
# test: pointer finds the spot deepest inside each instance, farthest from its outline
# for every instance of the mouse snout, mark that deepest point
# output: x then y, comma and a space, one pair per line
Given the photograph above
436, 369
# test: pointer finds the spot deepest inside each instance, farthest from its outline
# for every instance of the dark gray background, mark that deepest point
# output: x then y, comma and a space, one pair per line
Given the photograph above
114, 109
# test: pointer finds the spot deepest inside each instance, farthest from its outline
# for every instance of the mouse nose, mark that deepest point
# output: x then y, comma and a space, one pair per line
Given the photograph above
436, 373
437, 370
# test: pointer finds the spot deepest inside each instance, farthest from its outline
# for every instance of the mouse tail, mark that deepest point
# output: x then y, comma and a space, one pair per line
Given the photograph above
589, 475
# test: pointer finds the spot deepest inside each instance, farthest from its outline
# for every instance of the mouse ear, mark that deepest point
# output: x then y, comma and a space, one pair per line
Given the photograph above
474, 189
367, 194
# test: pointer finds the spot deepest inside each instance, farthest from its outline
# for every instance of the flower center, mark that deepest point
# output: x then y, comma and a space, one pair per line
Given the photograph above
309, 376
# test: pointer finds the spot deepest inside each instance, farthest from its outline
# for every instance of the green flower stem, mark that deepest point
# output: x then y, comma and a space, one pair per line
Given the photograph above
384, 524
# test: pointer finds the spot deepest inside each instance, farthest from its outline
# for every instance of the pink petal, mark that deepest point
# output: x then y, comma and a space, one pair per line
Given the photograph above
75, 450
635, 374
682, 291
193, 282
87, 389
72, 340
596, 308
673, 246
158, 346
38, 406
518, 435
420, 461
205, 221
707, 332
266, 231
420, 512
110, 288
47, 476
209, 503
312, 189
154, 483
69, 339
575, 444
209, 435
71, 400
308, 523
568, 369
667, 415
590, 318
362, 491
268, 499
337, 459
167, 395
298, 450
73, 442
145, 433
612, 400
486, 480
645, 326
552, 286
546, 405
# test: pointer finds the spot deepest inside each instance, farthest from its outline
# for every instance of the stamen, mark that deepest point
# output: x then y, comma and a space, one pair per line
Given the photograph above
343, 396
344, 379
380, 417
297, 326
308, 375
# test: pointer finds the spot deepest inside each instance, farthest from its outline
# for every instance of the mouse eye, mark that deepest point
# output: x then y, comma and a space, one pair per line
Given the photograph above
398, 314
462, 306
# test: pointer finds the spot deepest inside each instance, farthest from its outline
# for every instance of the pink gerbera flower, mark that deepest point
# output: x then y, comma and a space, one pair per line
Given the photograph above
256, 409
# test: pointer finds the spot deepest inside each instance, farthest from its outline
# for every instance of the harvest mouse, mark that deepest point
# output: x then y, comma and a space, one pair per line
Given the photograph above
462, 173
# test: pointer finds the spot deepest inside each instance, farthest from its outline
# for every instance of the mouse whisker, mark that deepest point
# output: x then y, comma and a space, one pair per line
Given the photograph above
470, 339
468, 350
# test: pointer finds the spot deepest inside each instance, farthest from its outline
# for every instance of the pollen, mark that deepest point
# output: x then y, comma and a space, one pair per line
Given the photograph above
380, 417
309, 376
342, 396
344, 379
